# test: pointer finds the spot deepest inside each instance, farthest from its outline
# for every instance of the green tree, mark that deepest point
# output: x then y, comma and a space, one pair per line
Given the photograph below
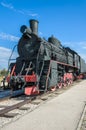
3, 72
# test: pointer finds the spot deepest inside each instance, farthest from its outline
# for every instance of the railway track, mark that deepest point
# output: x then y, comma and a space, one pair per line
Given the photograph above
14, 108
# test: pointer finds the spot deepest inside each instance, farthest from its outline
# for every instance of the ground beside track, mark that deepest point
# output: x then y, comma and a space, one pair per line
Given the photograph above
63, 112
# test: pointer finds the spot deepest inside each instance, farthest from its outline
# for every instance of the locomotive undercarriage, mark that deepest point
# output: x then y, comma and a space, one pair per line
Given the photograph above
49, 75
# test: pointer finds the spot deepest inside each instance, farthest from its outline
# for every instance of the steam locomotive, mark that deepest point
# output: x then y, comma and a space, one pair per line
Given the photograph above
43, 65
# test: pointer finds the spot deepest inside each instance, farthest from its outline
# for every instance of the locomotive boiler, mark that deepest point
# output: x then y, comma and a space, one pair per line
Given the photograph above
42, 64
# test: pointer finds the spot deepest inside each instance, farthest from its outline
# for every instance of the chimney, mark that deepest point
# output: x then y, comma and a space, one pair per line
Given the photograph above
34, 26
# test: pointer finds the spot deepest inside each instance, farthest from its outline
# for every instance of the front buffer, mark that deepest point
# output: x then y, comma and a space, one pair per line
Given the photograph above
31, 88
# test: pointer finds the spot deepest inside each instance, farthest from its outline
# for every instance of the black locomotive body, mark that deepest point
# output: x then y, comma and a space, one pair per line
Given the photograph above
42, 65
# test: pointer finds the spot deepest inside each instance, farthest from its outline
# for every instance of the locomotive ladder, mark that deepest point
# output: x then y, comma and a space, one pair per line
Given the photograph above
44, 72
27, 73
27, 68
44, 77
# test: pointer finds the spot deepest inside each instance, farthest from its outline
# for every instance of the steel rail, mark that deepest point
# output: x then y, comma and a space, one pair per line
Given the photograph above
15, 106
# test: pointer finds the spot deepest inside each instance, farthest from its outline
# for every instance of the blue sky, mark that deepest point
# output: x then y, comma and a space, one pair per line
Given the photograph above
65, 19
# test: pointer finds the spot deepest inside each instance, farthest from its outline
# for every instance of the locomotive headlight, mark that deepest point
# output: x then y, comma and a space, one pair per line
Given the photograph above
25, 29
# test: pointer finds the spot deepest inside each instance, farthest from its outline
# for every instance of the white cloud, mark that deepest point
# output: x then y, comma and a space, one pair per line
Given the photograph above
4, 49
33, 14
84, 47
81, 45
20, 11
4, 57
69, 44
11, 7
40, 33
8, 37
7, 5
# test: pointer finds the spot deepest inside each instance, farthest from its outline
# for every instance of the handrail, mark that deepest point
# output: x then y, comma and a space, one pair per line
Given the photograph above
13, 70
11, 55
28, 68
22, 68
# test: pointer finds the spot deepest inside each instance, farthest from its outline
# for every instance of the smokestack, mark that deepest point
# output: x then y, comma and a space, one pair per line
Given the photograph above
34, 26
